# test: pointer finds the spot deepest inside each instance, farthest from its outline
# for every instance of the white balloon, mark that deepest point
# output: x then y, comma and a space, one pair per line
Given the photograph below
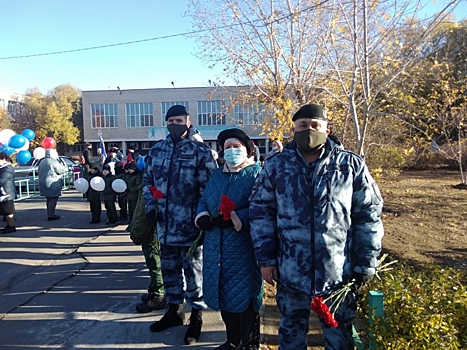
119, 186
97, 183
24, 148
81, 185
52, 152
39, 152
5, 136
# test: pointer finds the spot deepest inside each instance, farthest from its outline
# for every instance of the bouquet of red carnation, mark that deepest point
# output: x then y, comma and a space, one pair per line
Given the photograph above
157, 194
227, 207
318, 305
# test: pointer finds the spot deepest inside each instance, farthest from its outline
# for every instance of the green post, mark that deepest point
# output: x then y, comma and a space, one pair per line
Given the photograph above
376, 303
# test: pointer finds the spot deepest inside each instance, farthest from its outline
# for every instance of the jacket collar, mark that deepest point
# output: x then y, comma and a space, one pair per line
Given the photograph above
229, 169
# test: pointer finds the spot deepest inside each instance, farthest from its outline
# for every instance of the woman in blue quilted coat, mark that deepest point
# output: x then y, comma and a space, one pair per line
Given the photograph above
232, 281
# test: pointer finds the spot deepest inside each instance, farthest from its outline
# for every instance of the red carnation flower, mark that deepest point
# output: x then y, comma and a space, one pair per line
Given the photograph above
226, 207
157, 194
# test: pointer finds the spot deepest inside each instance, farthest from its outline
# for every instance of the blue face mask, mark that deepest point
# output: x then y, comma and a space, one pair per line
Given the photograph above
235, 156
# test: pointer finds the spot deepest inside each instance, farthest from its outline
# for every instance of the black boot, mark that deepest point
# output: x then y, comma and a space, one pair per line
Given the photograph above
194, 328
173, 317
226, 346
8, 229
155, 302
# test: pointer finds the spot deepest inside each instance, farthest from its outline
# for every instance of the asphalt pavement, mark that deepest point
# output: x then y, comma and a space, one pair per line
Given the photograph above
68, 284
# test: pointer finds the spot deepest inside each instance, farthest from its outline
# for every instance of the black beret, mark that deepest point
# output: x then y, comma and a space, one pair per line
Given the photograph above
236, 134
133, 166
311, 111
175, 111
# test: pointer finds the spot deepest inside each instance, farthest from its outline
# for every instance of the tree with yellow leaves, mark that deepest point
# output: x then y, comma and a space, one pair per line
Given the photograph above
52, 115
342, 54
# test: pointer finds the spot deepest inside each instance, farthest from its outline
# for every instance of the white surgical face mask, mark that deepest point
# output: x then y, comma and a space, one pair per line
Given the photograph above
235, 156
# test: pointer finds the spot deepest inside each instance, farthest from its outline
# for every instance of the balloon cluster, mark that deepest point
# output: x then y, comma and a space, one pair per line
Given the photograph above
11, 142
97, 184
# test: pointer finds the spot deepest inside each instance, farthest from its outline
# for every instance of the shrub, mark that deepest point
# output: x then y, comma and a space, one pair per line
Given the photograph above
424, 308
385, 161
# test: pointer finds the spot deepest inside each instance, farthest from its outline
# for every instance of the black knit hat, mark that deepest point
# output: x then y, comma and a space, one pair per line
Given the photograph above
311, 111
236, 134
133, 165
175, 111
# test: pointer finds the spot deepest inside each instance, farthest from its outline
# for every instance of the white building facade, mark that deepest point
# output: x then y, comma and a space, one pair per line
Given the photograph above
137, 117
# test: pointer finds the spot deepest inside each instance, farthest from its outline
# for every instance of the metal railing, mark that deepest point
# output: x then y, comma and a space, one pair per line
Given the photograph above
28, 186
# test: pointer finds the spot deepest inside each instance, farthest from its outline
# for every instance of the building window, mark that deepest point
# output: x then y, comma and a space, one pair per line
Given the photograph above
78, 147
249, 114
139, 115
166, 105
261, 144
211, 112
145, 145
104, 116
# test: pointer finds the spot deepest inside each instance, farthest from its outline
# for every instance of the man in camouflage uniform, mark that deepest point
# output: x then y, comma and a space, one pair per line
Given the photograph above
315, 224
180, 168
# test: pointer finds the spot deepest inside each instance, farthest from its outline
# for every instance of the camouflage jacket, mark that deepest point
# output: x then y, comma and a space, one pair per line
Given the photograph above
316, 222
181, 171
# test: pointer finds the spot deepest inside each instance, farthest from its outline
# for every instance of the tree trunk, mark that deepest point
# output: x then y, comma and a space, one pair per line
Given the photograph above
459, 140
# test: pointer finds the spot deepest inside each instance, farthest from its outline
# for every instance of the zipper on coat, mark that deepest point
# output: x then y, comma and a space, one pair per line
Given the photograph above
318, 169
166, 216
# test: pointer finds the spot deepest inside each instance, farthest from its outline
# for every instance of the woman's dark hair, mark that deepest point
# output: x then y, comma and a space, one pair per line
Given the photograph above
5, 156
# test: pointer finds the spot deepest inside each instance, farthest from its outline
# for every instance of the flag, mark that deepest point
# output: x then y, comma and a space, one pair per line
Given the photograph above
102, 146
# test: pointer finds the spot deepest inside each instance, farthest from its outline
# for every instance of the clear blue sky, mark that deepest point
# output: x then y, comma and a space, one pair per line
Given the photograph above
30, 27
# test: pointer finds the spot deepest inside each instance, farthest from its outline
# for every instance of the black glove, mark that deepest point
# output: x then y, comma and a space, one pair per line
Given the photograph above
204, 223
219, 221
361, 280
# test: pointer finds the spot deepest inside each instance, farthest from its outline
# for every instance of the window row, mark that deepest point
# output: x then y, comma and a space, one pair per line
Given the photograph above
142, 114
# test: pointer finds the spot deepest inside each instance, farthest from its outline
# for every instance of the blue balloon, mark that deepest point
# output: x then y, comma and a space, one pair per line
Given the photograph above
23, 157
29, 134
141, 163
17, 141
8, 150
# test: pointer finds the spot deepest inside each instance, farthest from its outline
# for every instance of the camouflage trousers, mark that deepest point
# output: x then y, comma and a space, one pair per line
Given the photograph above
294, 306
174, 267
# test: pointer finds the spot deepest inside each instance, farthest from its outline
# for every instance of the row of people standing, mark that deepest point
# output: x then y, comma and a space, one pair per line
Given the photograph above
126, 200
313, 215
114, 155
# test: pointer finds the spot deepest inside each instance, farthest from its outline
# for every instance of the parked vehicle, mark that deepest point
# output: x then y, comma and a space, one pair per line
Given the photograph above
26, 175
